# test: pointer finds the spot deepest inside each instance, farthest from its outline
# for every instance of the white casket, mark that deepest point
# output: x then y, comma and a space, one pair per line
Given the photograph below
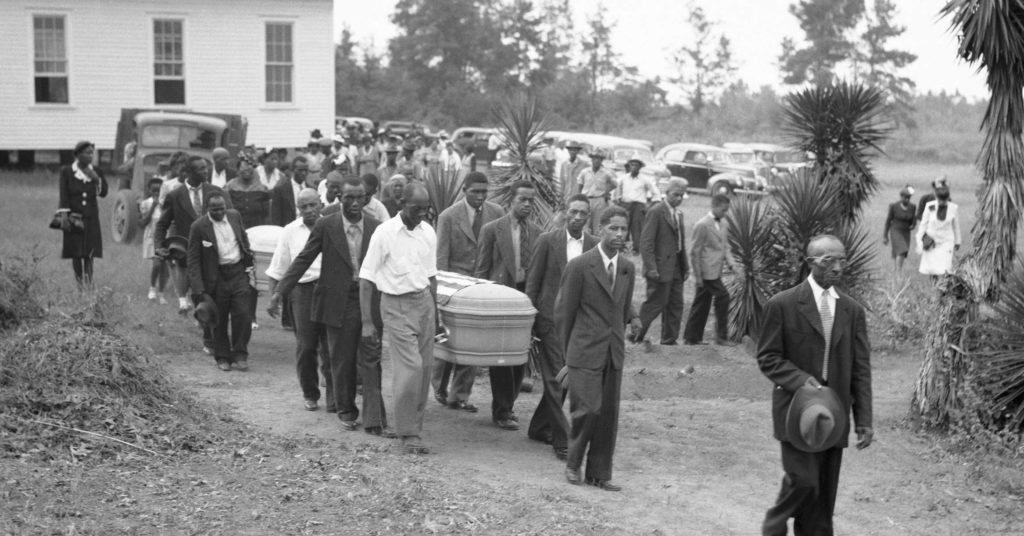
488, 324
263, 242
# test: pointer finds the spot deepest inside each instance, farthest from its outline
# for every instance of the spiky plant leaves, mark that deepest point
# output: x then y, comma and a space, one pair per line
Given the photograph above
1000, 363
752, 246
522, 127
444, 187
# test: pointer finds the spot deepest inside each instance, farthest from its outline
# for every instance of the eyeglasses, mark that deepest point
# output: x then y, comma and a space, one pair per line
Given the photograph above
828, 260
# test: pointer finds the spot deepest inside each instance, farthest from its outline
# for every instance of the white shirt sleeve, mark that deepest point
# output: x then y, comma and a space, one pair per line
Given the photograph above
373, 258
282, 258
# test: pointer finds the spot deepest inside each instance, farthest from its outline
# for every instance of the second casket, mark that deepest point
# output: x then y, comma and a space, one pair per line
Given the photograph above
489, 325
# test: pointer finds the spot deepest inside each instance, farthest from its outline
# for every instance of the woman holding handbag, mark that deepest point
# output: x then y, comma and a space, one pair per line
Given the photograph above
80, 186
938, 236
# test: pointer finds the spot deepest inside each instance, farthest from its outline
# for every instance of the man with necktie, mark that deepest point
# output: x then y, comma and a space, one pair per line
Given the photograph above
458, 235
506, 247
709, 253
666, 266
815, 335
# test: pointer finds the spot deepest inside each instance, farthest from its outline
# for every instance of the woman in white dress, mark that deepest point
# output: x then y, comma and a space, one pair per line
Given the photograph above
938, 235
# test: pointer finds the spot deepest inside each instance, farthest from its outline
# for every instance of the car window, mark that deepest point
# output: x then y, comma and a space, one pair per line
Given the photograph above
674, 155
719, 158
742, 158
178, 136
696, 157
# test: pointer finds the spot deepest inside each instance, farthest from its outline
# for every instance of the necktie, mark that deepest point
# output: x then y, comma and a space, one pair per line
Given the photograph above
524, 247
826, 327
197, 201
611, 273
679, 232
478, 220
354, 245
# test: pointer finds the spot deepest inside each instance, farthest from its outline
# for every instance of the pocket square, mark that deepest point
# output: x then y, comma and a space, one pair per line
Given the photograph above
207, 244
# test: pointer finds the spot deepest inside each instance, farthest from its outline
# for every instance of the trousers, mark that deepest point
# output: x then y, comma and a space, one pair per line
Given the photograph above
665, 299
711, 291
808, 492
594, 412
310, 342
549, 417
409, 326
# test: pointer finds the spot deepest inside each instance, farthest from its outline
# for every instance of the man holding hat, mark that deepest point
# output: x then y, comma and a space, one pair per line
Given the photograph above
814, 347
633, 193
597, 184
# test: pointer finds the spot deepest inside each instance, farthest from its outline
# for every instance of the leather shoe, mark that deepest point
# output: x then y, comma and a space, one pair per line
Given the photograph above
604, 484
414, 445
562, 453
386, 433
310, 405
463, 405
442, 398
669, 343
573, 476
506, 424
694, 343
349, 426
543, 437
726, 342
224, 365
242, 365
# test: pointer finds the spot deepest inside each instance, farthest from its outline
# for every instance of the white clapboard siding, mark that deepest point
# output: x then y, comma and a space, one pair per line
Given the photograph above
110, 55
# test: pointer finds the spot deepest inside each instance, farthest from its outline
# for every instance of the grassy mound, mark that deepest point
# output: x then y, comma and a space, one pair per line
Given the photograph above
19, 286
70, 389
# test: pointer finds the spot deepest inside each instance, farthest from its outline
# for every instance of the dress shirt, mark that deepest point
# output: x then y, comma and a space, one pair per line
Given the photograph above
296, 188
574, 247
219, 178
289, 245
598, 183
718, 224
636, 189
516, 248
192, 191
817, 291
471, 211
227, 242
376, 210
613, 260
398, 260
355, 243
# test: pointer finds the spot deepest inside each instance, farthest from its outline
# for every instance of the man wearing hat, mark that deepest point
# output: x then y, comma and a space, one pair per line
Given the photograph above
597, 184
814, 346
390, 166
571, 168
221, 172
633, 193
407, 163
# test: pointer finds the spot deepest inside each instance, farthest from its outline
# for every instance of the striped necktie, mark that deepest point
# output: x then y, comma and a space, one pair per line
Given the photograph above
826, 327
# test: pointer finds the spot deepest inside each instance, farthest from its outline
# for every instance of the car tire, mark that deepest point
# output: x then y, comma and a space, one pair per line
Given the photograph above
124, 218
720, 187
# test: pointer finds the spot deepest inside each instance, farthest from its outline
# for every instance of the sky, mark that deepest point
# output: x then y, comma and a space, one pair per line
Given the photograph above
648, 32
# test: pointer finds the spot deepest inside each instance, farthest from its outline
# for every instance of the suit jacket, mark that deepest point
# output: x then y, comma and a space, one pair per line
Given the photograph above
709, 249
791, 349
659, 241
282, 203
331, 292
178, 210
456, 245
544, 277
496, 258
204, 256
591, 316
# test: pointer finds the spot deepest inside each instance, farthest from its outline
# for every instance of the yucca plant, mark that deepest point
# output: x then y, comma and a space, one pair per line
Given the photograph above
522, 128
843, 124
999, 363
444, 187
991, 36
769, 239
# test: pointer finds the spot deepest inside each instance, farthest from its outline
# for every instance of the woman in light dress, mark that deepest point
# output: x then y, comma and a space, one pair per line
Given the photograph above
938, 235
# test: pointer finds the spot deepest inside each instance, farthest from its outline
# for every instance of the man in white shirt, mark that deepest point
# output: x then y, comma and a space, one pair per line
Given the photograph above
597, 184
401, 263
633, 193
310, 335
221, 173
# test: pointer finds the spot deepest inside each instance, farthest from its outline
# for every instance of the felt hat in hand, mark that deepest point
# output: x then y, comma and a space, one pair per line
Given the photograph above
206, 312
177, 247
815, 420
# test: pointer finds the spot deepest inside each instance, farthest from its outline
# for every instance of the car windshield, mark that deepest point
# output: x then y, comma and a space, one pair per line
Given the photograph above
790, 157
178, 137
716, 157
742, 158
641, 154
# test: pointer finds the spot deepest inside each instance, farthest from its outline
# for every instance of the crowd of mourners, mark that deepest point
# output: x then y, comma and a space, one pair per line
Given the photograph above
360, 250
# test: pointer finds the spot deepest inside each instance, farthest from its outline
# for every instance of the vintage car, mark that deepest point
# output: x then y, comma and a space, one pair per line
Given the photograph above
147, 137
475, 138
780, 161
343, 123
709, 168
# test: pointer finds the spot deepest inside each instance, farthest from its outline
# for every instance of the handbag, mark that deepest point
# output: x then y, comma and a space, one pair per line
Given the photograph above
927, 242
73, 223
57, 222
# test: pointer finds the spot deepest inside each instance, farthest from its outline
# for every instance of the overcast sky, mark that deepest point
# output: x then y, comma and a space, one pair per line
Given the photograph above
648, 31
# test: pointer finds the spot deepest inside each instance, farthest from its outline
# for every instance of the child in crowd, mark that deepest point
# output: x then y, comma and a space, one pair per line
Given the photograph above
150, 210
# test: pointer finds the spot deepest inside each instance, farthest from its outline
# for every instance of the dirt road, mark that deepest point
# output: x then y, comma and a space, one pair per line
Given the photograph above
694, 454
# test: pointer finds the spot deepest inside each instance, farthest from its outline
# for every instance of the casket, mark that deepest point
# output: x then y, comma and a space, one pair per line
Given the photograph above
488, 324
263, 241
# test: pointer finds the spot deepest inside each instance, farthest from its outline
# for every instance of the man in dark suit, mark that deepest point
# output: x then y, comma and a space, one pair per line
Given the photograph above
591, 312
342, 239
506, 246
663, 250
553, 251
458, 233
815, 335
282, 197
709, 254
219, 262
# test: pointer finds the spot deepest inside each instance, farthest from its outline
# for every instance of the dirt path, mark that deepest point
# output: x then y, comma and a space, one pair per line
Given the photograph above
694, 454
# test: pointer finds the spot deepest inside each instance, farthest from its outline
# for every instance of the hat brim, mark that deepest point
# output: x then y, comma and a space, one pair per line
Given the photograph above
803, 400
206, 313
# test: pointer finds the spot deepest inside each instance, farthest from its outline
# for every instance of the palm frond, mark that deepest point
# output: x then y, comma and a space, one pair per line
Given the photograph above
522, 128
1000, 362
444, 187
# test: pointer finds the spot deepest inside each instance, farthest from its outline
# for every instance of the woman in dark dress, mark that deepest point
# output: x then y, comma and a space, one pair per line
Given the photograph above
80, 186
248, 195
901, 220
